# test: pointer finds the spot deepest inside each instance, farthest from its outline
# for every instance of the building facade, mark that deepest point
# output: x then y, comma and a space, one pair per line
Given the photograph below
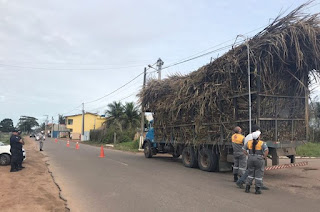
91, 122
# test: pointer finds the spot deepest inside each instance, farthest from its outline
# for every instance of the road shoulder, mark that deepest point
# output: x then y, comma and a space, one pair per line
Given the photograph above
31, 189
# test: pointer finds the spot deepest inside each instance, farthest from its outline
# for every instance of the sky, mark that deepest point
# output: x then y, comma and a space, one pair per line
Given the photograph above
55, 55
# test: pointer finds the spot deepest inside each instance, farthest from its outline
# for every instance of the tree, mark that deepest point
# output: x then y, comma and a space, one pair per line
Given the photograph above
26, 123
62, 119
131, 116
115, 113
6, 125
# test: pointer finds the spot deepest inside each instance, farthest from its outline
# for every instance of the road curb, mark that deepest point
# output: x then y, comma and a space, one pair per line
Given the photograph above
299, 157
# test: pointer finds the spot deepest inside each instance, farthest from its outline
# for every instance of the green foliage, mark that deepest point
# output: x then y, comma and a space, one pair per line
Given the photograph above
107, 135
26, 123
115, 114
6, 125
309, 150
131, 146
122, 120
62, 119
131, 116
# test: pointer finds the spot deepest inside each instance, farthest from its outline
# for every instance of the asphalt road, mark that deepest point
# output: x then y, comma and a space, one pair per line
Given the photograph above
129, 182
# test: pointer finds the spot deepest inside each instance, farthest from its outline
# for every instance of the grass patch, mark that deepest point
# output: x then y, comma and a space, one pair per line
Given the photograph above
309, 150
131, 146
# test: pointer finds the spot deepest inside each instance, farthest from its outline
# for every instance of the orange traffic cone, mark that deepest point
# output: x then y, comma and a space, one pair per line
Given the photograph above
56, 140
101, 152
68, 144
77, 145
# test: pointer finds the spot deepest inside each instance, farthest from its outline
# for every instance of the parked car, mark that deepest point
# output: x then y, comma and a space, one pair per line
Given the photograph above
5, 154
32, 135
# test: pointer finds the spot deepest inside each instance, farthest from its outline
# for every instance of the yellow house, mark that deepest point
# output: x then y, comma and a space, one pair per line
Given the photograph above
91, 121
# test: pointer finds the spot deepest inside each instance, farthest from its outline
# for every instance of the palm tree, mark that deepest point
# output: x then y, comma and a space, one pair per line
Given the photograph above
115, 113
131, 116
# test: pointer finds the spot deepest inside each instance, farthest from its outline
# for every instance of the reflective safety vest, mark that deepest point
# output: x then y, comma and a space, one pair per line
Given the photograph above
237, 138
237, 143
260, 147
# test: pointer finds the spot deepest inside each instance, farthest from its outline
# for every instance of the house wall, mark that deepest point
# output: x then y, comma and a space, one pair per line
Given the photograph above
91, 122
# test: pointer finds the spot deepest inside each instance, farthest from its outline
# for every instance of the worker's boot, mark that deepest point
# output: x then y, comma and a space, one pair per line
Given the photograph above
247, 189
240, 184
264, 187
235, 177
258, 190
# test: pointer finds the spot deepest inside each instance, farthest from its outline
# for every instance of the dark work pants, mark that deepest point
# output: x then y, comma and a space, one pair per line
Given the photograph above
15, 158
20, 158
255, 170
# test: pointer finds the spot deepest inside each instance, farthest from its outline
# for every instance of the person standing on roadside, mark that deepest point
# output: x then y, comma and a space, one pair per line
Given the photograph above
243, 178
258, 151
239, 158
21, 152
15, 146
42, 137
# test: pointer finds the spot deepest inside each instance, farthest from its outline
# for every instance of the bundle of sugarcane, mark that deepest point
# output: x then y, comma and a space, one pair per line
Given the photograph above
283, 56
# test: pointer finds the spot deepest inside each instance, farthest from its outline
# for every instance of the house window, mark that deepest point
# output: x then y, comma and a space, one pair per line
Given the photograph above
70, 121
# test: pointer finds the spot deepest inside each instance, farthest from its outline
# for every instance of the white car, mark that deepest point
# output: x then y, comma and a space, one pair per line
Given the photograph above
5, 154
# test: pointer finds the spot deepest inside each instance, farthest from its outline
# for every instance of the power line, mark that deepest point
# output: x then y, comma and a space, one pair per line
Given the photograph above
67, 69
115, 89
71, 110
202, 55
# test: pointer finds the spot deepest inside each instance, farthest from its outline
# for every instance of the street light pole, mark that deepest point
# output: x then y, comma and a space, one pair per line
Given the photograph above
159, 65
45, 125
142, 110
82, 128
249, 79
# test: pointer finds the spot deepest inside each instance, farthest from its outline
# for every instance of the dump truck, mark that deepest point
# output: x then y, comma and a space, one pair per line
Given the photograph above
194, 114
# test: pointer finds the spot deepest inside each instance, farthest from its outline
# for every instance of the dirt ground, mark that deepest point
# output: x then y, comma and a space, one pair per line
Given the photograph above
31, 189
303, 180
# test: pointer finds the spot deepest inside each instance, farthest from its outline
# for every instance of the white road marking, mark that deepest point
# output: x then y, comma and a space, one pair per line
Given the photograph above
118, 162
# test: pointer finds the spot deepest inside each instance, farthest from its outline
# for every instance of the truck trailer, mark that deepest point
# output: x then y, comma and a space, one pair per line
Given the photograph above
194, 114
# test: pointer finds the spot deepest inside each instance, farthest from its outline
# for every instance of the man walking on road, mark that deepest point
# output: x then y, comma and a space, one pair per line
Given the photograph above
42, 137
15, 146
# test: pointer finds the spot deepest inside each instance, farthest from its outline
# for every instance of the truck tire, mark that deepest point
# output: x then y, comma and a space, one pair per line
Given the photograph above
189, 158
5, 159
147, 150
207, 160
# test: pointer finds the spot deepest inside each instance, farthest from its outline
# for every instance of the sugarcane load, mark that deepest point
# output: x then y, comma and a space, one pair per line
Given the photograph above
194, 114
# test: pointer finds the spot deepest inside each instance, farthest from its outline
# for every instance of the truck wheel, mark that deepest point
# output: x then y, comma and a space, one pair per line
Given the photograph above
4, 159
189, 158
207, 160
147, 150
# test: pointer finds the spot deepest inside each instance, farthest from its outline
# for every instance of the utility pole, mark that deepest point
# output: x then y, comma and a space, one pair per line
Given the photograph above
58, 135
249, 78
159, 65
82, 128
52, 127
45, 124
142, 109
249, 86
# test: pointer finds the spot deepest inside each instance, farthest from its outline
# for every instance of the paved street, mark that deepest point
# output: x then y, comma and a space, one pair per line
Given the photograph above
129, 182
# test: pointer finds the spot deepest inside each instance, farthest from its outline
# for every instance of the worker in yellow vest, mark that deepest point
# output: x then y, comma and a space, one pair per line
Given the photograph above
258, 151
239, 158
